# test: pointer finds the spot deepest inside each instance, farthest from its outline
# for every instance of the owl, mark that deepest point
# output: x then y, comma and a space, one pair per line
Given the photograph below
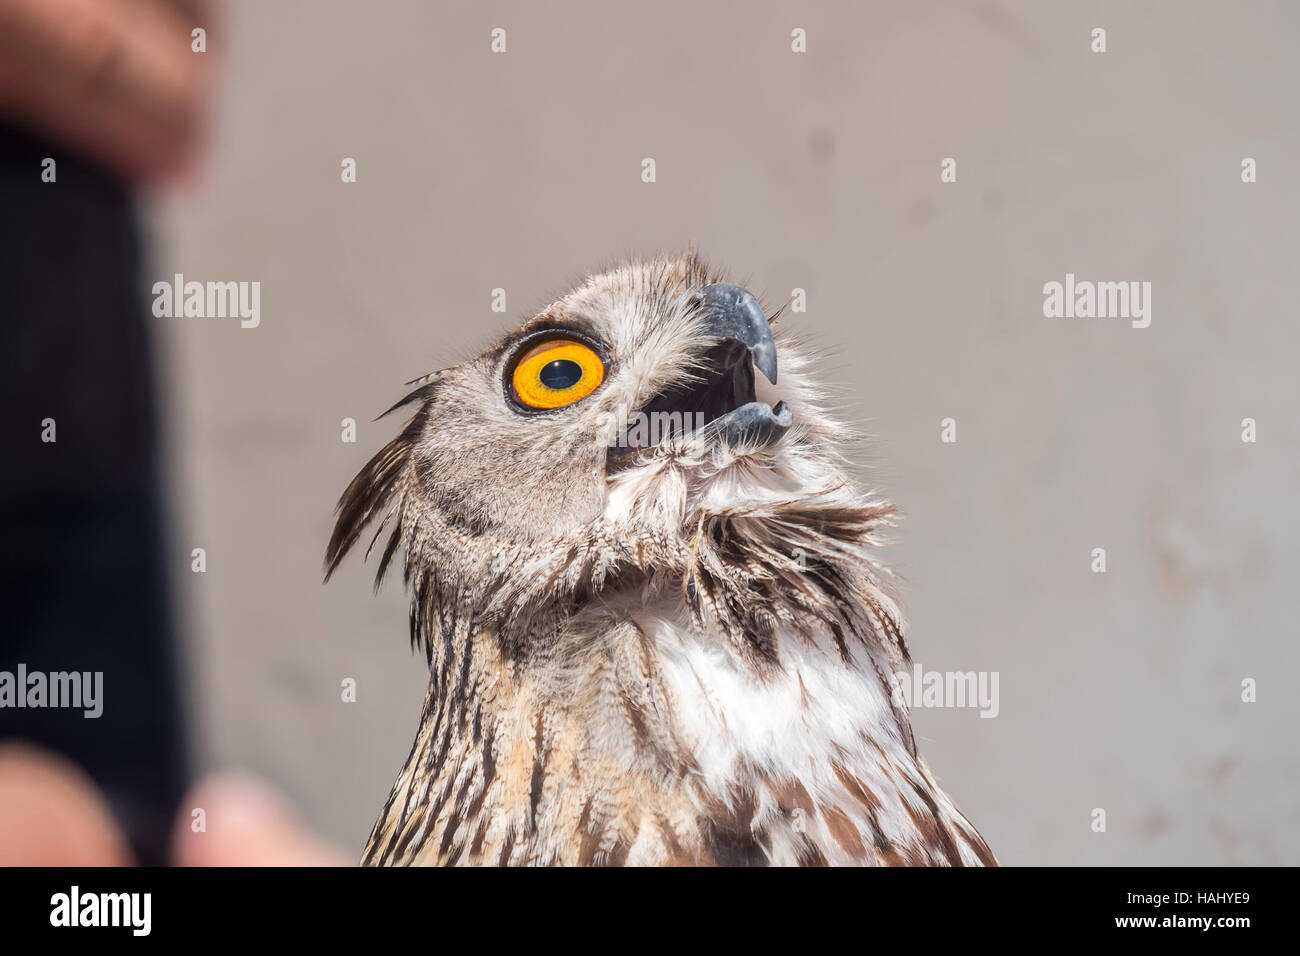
649, 597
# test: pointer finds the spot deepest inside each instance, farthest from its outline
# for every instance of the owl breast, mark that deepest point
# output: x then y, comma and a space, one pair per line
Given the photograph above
653, 742
803, 761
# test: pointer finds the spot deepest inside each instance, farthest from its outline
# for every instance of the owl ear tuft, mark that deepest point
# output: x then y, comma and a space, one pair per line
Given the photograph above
371, 493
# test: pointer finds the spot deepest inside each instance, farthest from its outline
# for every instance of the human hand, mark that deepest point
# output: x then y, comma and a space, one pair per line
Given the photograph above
115, 79
52, 815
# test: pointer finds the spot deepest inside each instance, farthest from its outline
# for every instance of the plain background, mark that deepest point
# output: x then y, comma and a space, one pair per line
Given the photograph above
1119, 691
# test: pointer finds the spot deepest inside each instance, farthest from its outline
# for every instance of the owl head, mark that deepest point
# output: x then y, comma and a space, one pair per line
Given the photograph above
650, 433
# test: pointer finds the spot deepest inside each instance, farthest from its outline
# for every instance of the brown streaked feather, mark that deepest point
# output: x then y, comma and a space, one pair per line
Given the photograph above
371, 493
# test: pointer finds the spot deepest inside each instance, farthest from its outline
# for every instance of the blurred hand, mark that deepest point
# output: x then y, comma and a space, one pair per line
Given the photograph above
113, 78
247, 824
52, 815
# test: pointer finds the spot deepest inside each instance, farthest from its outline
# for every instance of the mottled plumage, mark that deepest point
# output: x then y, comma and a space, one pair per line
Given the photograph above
674, 654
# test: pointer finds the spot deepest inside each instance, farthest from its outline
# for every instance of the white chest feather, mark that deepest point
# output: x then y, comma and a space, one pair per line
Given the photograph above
814, 710
814, 748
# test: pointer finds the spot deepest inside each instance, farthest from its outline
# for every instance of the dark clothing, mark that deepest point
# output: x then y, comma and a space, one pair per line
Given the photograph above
82, 574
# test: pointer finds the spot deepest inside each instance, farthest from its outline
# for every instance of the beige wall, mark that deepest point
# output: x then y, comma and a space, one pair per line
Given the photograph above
521, 171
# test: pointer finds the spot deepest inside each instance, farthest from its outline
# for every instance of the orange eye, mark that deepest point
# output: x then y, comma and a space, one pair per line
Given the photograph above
556, 373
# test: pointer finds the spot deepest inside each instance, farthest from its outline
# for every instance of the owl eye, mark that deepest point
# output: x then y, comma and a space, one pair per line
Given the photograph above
556, 373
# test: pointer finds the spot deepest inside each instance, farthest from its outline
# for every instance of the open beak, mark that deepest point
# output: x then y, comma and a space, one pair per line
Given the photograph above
720, 403
734, 314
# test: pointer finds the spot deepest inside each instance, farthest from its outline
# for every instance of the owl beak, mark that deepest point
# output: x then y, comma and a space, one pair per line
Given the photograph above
733, 313
718, 403
754, 423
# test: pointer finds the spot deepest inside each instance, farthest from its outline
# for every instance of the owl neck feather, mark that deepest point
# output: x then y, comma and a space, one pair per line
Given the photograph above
716, 702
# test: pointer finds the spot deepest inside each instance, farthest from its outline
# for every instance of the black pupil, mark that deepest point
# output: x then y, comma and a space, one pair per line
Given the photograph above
560, 374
